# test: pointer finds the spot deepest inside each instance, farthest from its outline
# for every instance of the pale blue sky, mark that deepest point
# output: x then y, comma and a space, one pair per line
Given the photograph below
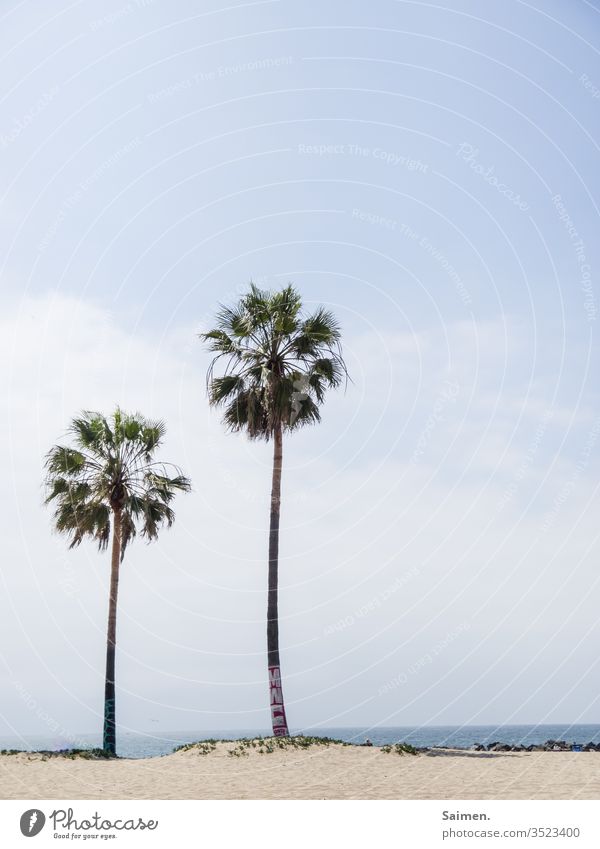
401, 162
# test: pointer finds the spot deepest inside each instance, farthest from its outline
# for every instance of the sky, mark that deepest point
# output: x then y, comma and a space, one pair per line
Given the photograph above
429, 172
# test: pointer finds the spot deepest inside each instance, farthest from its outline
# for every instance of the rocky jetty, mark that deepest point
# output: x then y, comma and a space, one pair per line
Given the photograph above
548, 746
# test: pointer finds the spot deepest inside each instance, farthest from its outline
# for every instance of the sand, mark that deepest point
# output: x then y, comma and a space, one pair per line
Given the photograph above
334, 772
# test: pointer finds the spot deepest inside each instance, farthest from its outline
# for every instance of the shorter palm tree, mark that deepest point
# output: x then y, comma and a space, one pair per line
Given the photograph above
109, 484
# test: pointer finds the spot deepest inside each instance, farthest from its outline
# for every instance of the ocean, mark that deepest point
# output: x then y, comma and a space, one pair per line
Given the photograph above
146, 744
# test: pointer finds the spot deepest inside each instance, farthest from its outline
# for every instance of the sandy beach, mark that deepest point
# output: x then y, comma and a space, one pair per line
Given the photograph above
334, 772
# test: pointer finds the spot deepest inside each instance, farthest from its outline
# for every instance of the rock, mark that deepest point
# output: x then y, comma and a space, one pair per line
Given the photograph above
557, 746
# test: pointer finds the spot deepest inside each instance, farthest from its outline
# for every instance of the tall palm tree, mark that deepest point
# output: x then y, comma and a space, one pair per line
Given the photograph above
107, 484
277, 365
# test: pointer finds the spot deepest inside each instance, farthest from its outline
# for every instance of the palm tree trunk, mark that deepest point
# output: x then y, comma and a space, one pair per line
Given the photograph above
278, 718
109, 736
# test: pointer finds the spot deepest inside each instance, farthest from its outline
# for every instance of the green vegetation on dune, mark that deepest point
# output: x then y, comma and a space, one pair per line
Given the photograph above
72, 754
261, 745
400, 749
238, 748
203, 747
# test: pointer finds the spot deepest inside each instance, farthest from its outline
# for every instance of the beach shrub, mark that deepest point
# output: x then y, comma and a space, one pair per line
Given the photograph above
238, 752
86, 754
268, 745
400, 749
202, 747
263, 745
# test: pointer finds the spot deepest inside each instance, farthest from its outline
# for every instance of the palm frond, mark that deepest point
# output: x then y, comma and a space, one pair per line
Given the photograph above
76, 520
62, 460
322, 327
278, 364
111, 468
223, 388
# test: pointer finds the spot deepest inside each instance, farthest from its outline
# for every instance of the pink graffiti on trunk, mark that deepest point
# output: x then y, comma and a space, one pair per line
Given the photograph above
278, 718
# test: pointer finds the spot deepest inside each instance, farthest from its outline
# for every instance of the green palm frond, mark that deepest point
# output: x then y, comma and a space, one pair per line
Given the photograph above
78, 519
111, 468
65, 461
226, 387
277, 363
91, 431
321, 328
219, 341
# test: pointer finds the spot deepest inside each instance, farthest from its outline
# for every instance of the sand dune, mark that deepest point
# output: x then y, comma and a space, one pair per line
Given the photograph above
334, 772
